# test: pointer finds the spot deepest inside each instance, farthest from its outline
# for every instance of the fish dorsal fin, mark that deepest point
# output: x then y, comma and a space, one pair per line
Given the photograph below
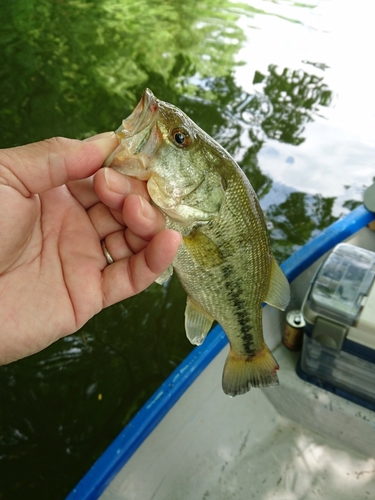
278, 293
197, 323
369, 198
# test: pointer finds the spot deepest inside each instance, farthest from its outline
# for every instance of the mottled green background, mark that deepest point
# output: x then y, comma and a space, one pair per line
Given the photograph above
76, 68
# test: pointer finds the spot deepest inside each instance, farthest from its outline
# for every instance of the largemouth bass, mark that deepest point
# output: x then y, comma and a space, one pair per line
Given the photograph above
225, 262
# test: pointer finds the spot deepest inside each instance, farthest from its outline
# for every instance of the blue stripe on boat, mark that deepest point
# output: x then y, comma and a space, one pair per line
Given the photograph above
132, 436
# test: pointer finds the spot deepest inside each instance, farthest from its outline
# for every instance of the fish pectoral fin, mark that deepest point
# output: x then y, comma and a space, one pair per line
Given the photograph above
202, 249
278, 293
164, 276
197, 323
241, 373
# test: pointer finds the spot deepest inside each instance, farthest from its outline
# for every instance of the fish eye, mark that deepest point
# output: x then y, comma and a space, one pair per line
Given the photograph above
181, 137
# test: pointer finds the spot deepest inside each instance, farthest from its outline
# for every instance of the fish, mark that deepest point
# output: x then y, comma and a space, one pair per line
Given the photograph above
224, 263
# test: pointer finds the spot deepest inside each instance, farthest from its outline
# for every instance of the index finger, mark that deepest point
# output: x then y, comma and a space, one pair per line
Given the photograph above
38, 167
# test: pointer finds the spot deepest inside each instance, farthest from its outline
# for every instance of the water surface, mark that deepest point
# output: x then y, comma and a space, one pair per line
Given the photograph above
286, 87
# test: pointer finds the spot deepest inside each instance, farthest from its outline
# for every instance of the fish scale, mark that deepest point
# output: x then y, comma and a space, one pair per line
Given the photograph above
225, 262
234, 296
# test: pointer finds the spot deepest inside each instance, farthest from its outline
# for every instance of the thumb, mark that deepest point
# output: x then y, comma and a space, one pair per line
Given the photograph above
44, 165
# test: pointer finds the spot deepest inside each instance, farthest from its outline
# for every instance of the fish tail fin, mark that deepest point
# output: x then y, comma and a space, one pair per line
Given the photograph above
243, 372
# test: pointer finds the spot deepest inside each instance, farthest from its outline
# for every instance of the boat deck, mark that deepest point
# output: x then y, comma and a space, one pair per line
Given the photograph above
277, 454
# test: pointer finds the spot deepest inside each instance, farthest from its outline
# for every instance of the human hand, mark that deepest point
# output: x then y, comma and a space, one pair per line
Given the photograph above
53, 274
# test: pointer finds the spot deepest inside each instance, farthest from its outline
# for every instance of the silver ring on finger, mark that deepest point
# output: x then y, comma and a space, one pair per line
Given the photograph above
107, 255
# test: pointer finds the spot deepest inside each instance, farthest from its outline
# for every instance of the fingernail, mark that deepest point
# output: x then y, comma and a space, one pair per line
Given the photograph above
103, 135
116, 182
147, 210
106, 142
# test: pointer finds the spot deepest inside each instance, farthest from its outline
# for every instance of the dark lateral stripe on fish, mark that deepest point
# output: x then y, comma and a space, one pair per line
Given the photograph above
240, 310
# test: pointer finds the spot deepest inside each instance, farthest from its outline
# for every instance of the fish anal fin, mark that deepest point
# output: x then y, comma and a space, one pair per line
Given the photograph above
278, 293
197, 323
243, 372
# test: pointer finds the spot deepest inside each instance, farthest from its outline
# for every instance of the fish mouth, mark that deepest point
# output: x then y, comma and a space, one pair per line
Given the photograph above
143, 116
133, 134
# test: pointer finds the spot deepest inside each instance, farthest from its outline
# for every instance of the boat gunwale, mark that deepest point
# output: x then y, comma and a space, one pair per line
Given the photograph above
95, 481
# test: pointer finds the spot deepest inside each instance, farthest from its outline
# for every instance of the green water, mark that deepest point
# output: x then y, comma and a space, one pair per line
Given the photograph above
285, 87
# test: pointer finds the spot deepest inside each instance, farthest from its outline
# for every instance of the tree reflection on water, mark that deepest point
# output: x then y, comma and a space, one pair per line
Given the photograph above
287, 100
75, 68
72, 68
